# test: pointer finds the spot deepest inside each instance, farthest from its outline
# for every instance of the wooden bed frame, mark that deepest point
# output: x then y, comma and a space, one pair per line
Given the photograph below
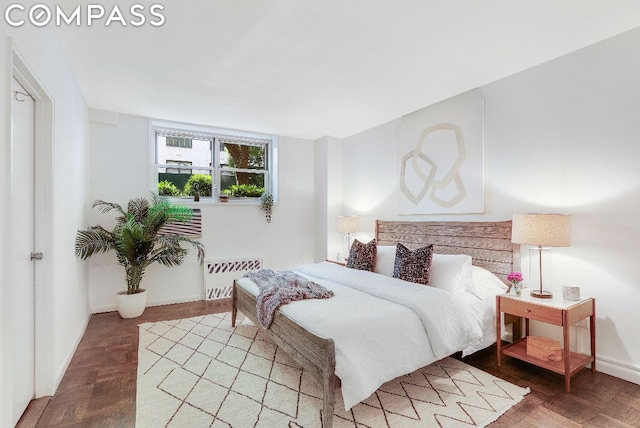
489, 244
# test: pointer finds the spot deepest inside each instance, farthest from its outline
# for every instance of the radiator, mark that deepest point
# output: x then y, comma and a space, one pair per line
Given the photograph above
219, 275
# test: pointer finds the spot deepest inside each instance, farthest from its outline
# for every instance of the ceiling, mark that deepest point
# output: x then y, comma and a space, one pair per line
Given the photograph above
310, 68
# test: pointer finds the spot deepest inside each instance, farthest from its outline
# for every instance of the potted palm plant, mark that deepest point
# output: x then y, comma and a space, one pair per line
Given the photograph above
138, 241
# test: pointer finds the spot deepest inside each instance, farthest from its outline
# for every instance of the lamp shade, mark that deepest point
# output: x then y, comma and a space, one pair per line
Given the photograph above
544, 230
348, 224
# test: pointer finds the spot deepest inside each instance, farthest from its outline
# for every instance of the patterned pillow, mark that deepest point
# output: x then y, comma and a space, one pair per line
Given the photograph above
413, 266
362, 256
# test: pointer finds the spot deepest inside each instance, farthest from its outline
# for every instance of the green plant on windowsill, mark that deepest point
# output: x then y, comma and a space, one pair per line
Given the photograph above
167, 188
198, 184
244, 191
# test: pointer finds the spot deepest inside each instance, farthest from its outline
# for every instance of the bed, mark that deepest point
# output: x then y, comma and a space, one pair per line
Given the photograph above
367, 311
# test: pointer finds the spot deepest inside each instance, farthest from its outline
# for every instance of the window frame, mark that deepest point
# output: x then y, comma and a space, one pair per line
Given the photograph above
214, 134
179, 165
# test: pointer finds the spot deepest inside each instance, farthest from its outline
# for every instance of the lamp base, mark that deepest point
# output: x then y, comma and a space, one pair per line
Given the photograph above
541, 294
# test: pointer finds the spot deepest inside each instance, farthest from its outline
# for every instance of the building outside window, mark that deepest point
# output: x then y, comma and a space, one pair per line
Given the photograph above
179, 142
178, 170
212, 162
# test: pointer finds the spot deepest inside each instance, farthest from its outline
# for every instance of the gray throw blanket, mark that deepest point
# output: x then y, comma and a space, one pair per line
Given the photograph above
280, 288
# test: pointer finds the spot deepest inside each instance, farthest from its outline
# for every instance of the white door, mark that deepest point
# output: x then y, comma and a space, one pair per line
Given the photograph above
22, 232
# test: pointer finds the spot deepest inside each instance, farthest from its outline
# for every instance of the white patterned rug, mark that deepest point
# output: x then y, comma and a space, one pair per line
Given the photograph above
201, 372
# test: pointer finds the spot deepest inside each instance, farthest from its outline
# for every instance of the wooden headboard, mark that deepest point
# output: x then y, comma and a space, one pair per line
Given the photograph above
488, 243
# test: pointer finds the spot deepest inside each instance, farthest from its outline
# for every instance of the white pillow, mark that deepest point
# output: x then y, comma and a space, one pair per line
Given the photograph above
385, 259
484, 283
450, 272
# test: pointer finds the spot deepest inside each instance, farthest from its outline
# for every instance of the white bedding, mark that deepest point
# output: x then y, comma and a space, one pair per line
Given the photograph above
385, 327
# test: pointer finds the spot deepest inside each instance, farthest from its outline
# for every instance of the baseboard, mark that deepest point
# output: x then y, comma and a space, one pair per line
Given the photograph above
618, 369
111, 308
70, 355
173, 301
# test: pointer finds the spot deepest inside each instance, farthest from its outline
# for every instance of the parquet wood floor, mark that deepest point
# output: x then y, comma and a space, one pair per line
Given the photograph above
99, 387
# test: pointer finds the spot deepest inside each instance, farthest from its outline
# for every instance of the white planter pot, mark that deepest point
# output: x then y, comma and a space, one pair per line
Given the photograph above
131, 305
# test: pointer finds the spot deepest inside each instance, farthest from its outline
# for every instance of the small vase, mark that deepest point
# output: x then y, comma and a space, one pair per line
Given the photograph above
517, 289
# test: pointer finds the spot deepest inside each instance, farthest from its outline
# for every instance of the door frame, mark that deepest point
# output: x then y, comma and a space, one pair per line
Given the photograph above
44, 226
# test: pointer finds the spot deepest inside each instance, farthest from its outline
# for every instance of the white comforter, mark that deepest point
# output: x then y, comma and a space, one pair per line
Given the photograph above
382, 327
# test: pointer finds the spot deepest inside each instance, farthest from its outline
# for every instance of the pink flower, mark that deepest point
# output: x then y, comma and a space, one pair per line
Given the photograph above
514, 277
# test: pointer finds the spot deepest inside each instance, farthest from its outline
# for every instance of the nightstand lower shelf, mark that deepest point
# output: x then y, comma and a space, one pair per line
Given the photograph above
519, 350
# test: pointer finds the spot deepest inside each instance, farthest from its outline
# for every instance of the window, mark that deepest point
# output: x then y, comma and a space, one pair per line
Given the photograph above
190, 159
243, 166
178, 170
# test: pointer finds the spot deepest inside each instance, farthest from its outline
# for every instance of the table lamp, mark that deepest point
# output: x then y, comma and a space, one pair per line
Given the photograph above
541, 230
348, 225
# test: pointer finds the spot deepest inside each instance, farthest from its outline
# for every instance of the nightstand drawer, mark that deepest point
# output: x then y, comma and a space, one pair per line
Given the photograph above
531, 311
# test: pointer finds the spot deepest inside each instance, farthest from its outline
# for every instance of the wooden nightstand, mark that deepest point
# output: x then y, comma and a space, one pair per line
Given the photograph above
552, 311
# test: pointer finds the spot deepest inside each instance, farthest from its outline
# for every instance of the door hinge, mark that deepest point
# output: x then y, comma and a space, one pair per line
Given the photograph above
36, 256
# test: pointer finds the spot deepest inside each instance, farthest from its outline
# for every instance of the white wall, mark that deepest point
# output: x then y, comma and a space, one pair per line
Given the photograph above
328, 192
561, 137
66, 309
120, 170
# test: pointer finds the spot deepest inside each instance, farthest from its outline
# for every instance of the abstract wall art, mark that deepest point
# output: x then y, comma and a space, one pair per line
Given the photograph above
440, 153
